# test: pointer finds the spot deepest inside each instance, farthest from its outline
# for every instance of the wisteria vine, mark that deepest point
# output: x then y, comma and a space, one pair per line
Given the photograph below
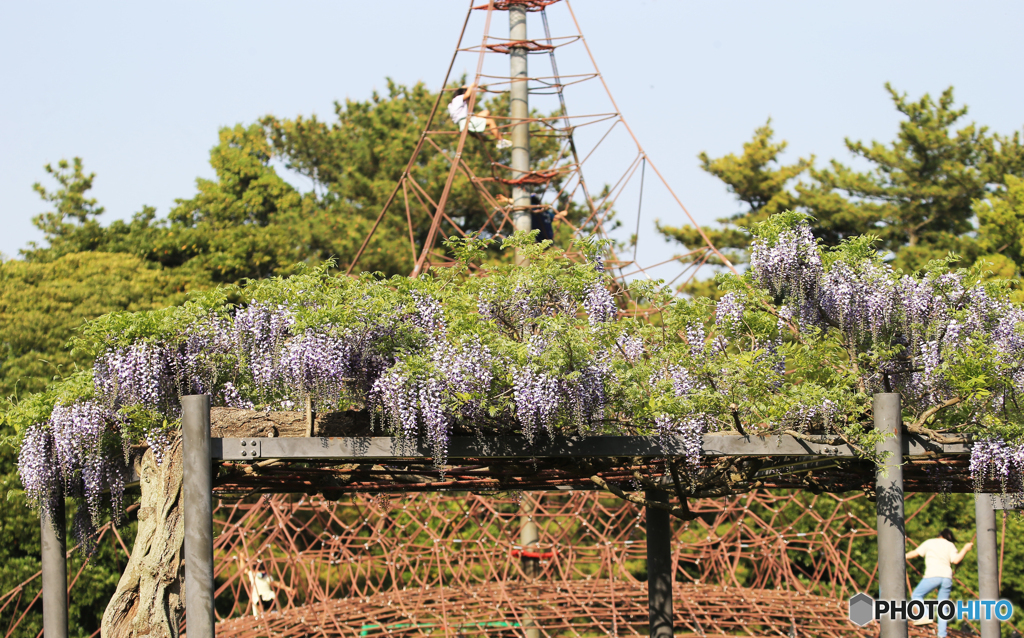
797, 344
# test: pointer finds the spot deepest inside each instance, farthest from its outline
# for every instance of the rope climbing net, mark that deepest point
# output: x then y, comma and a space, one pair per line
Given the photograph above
761, 563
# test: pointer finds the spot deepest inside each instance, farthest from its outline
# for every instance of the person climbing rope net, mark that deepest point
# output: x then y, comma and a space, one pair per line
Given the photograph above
939, 557
262, 592
458, 108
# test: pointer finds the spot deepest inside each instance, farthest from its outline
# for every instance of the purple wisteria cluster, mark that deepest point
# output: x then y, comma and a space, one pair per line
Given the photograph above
801, 417
790, 267
922, 323
427, 397
541, 399
153, 375
994, 459
631, 347
599, 304
729, 312
76, 453
258, 333
135, 375
536, 398
325, 366
691, 427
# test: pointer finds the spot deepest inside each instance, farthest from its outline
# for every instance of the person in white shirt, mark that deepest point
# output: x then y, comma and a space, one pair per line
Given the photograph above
939, 557
261, 590
458, 109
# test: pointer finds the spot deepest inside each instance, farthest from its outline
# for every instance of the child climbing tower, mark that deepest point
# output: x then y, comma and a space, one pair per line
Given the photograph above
525, 183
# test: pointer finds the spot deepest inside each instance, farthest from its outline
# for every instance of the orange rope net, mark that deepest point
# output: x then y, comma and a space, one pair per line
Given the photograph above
750, 565
753, 564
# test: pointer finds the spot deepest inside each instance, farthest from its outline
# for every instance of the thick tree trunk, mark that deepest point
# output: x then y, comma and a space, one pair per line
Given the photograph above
150, 599
150, 596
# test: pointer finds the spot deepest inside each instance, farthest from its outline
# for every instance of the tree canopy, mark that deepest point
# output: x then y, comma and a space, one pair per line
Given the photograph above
927, 193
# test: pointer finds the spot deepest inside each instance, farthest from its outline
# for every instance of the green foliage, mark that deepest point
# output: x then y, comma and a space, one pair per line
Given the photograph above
1001, 228
758, 180
72, 225
919, 196
42, 305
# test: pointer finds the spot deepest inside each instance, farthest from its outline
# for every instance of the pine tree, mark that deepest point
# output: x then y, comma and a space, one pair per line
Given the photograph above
760, 183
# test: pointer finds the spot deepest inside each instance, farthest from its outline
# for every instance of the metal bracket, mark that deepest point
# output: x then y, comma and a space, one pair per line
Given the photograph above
241, 449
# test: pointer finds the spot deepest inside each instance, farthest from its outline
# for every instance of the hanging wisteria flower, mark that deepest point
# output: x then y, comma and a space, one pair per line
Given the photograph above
690, 430
728, 311
259, 333
37, 466
71, 456
790, 267
994, 459
599, 304
136, 375
536, 399
631, 346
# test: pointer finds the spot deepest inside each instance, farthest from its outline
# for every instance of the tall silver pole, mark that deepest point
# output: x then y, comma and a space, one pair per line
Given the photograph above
519, 112
892, 534
659, 570
55, 571
988, 559
197, 491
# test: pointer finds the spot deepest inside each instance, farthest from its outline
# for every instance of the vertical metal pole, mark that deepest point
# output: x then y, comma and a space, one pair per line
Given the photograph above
892, 534
197, 491
988, 559
529, 536
659, 569
519, 112
55, 570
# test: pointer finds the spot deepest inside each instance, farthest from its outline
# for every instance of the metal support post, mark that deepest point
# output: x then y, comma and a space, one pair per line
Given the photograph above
892, 533
55, 570
519, 113
197, 492
659, 569
988, 559
529, 536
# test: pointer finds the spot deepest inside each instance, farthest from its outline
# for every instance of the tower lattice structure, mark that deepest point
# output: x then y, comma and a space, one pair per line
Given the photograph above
601, 141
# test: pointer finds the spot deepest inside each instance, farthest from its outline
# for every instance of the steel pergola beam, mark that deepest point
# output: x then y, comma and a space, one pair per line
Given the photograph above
516, 447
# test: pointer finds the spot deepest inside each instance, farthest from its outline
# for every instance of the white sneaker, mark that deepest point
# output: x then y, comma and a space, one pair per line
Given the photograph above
923, 621
504, 144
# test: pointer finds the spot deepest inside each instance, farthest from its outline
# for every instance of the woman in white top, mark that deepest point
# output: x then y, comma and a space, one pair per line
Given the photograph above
458, 109
939, 557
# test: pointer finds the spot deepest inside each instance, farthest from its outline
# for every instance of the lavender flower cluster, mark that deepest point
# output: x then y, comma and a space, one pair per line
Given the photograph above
931, 320
994, 459
75, 454
536, 398
599, 304
790, 267
427, 401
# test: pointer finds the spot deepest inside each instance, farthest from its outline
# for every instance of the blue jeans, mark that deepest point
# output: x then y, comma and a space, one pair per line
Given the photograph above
926, 586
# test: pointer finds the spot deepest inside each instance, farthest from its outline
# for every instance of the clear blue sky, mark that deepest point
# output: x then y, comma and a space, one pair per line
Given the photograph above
138, 90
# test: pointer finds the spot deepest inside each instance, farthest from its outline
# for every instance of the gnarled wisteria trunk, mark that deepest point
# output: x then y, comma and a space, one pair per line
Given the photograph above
150, 596
150, 599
